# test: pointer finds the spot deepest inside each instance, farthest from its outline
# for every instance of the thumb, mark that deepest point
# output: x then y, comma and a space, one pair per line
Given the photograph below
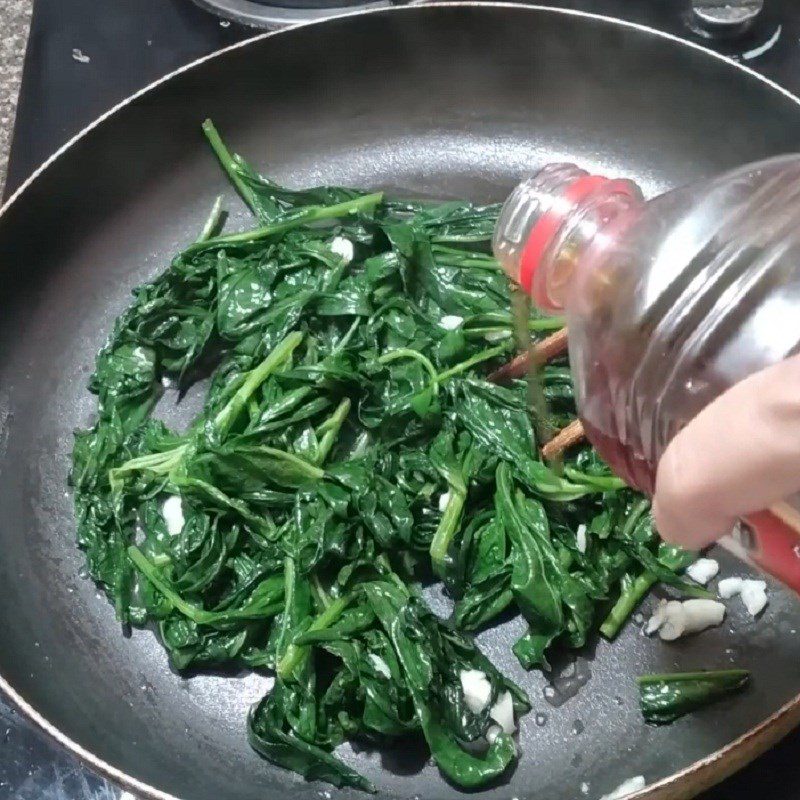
740, 454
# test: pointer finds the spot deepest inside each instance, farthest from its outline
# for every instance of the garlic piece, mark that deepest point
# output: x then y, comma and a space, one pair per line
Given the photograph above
625, 788
702, 613
703, 570
450, 322
729, 587
502, 712
673, 619
477, 689
343, 248
580, 538
172, 511
754, 596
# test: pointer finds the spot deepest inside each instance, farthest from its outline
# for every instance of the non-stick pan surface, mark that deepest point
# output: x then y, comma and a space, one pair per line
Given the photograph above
442, 101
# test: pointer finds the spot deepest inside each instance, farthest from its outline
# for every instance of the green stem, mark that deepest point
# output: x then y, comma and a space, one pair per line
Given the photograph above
468, 256
330, 428
693, 590
342, 343
487, 322
253, 410
198, 615
157, 463
406, 352
440, 544
228, 164
624, 607
294, 655
484, 355
283, 639
212, 223
264, 524
304, 216
307, 468
603, 483
633, 517
480, 333
321, 597
227, 415
717, 674
546, 324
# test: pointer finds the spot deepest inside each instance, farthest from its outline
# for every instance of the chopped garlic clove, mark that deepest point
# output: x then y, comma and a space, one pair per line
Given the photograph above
580, 538
703, 570
343, 248
496, 336
702, 613
752, 592
674, 623
754, 596
673, 619
451, 321
492, 734
657, 618
729, 587
477, 689
625, 788
502, 712
444, 499
172, 511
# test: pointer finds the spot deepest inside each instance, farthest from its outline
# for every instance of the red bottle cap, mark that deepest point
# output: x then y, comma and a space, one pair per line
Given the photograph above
549, 224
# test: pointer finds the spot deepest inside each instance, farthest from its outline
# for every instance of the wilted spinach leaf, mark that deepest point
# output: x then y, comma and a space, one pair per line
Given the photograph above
348, 444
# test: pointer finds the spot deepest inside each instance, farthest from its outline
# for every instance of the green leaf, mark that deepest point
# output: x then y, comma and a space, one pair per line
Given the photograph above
347, 446
270, 736
536, 575
665, 698
463, 768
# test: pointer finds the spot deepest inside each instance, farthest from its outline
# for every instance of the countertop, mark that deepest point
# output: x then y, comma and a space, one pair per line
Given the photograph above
15, 17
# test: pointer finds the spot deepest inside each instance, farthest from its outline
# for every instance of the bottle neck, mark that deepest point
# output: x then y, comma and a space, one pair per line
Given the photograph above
550, 221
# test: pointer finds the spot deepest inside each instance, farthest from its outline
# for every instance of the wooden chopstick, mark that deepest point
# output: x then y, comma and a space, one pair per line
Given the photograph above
542, 352
563, 440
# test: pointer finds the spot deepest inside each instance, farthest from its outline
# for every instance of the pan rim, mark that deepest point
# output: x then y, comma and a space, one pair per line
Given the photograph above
749, 745
15, 195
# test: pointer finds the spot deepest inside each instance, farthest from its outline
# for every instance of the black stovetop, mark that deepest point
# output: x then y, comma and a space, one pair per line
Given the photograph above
83, 56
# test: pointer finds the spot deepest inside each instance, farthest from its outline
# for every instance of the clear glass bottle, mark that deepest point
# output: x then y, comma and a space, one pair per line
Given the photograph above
668, 303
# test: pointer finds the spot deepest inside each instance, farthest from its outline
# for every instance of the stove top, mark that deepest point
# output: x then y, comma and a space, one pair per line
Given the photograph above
84, 56
276, 13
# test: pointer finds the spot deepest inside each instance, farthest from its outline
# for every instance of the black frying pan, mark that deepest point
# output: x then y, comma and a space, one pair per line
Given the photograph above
445, 101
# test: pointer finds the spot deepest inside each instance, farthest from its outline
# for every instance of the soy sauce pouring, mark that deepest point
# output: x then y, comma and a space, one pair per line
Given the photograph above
669, 304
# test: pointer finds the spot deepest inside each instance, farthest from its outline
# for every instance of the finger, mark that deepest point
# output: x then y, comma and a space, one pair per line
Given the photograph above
739, 455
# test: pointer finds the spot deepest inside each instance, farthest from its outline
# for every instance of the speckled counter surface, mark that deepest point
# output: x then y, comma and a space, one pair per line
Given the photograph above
15, 18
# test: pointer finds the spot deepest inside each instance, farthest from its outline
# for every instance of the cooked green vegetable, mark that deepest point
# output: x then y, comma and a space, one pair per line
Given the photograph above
665, 698
348, 444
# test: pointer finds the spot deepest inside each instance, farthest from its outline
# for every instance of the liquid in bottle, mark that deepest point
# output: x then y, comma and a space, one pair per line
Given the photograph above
668, 302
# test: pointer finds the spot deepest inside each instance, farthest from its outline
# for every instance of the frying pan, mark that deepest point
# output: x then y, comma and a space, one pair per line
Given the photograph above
454, 100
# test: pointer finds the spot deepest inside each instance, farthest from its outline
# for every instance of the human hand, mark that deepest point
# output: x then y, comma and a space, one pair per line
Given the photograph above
741, 454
